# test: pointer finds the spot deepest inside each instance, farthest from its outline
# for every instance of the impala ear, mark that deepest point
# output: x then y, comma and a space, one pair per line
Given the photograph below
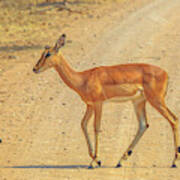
60, 42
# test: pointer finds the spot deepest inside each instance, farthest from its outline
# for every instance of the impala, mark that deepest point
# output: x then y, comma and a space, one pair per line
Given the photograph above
138, 83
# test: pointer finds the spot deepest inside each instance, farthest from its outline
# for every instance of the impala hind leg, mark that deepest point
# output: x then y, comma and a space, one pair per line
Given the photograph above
139, 106
160, 106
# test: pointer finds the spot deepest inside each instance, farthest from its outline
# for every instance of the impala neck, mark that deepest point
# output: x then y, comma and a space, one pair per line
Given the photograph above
68, 75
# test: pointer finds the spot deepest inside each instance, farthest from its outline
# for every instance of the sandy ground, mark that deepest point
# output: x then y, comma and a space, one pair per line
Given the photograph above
40, 117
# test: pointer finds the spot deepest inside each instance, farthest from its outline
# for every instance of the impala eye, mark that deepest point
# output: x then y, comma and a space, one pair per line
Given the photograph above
47, 55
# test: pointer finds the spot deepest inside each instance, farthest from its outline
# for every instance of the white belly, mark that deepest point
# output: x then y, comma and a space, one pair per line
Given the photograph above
137, 95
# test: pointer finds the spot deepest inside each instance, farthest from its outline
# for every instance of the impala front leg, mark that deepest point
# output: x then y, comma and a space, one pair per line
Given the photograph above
97, 123
84, 124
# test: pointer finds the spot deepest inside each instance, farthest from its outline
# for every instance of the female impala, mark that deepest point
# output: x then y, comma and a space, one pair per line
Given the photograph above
136, 82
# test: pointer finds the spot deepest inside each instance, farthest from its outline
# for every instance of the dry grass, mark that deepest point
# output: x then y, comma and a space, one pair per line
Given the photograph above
25, 23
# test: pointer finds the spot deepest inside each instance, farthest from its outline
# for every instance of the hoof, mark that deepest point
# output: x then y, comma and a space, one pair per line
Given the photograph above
173, 166
118, 165
99, 163
90, 167
0, 141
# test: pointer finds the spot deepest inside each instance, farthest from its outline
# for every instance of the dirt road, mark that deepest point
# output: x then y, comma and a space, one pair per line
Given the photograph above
40, 117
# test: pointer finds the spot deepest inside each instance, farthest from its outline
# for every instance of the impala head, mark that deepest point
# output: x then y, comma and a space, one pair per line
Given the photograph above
47, 59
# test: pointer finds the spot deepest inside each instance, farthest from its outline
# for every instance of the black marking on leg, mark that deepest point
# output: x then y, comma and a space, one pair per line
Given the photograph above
118, 165
179, 149
129, 152
147, 125
0, 141
176, 156
99, 163
173, 166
